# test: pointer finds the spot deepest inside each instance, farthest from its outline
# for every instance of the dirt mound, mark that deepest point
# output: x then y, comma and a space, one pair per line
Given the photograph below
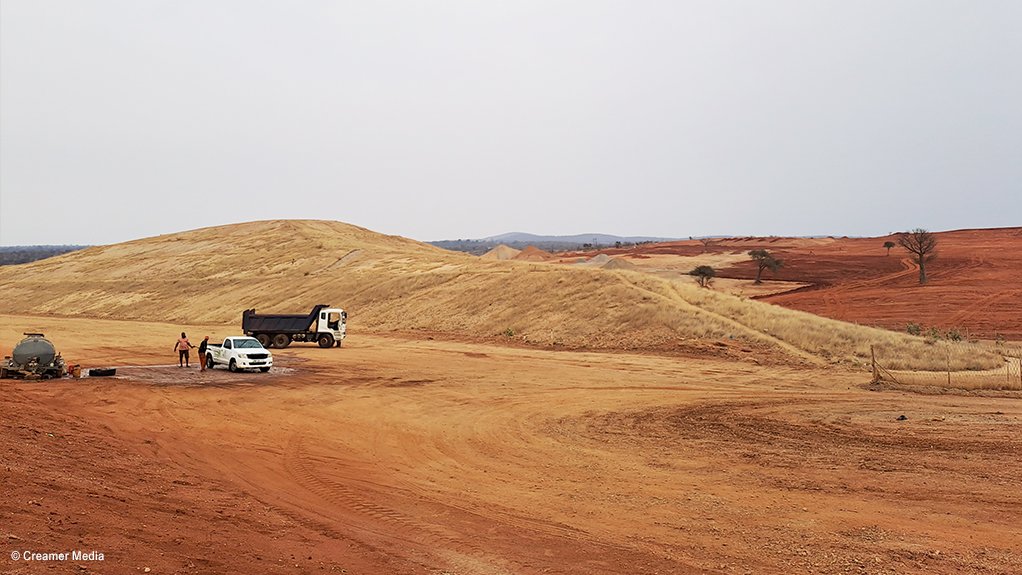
390, 283
619, 264
501, 253
597, 261
534, 254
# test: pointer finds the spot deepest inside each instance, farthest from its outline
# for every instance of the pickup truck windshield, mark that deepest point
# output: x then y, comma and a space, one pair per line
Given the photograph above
246, 343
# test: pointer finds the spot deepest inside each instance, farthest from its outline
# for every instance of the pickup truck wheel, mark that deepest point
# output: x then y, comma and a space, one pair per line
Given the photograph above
209, 361
263, 339
326, 340
264, 369
233, 366
281, 340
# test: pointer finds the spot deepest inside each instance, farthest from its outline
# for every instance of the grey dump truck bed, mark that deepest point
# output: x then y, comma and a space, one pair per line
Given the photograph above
252, 322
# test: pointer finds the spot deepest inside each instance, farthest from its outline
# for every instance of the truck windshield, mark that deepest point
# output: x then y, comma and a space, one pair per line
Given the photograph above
240, 343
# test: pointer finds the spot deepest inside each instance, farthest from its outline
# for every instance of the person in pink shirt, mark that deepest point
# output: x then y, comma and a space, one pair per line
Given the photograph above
181, 347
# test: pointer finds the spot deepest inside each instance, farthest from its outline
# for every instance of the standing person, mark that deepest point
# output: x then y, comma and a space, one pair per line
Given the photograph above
181, 347
202, 353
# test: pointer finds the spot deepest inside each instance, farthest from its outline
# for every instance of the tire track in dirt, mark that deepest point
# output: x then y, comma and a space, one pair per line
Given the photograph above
836, 308
461, 549
834, 304
760, 426
403, 528
969, 311
850, 456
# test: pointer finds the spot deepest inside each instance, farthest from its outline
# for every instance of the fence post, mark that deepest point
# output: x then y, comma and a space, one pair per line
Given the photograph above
948, 348
873, 357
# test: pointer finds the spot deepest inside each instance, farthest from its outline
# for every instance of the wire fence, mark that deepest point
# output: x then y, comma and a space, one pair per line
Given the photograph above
1007, 376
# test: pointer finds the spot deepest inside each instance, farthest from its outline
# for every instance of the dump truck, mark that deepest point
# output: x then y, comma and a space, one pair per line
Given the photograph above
324, 325
34, 357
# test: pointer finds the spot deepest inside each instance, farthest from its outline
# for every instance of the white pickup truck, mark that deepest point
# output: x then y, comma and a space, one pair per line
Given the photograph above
239, 353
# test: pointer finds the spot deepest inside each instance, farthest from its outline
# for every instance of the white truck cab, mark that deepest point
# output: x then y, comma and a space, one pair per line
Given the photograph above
333, 321
239, 353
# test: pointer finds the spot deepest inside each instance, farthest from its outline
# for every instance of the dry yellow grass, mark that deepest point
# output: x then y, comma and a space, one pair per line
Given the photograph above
392, 283
998, 379
832, 339
1007, 375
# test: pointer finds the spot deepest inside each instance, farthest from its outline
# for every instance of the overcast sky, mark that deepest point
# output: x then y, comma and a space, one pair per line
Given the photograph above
459, 119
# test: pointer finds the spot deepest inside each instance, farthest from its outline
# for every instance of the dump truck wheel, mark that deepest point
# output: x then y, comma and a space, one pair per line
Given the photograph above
263, 339
326, 340
281, 340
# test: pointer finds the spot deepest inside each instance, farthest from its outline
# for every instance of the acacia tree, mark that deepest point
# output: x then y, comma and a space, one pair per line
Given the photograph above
923, 247
707, 242
704, 274
764, 260
889, 244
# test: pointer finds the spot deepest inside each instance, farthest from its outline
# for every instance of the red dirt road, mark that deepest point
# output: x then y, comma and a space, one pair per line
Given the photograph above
393, 455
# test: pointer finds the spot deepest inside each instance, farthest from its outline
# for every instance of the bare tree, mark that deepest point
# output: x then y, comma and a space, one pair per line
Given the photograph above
923, 247
889, 244
704, 274
707, 242
765, 260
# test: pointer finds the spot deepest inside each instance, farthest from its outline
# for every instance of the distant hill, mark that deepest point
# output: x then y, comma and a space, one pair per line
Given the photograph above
604, 239
521, 240
12, 255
